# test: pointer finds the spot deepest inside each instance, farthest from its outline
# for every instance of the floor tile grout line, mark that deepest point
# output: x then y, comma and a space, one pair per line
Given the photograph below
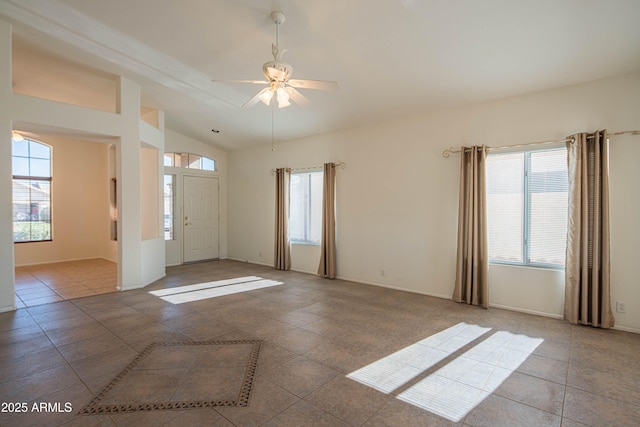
566, 379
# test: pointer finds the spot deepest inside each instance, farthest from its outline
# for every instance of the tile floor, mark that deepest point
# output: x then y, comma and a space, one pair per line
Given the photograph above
47, 283
319, 336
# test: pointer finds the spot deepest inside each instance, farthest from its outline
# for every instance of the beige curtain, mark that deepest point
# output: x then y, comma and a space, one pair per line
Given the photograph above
587, 268
282, 251
327, 266
472, 263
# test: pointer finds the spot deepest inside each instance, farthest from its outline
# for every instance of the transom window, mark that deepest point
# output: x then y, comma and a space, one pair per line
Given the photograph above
305, 208
527, 202
189, 161
31, 168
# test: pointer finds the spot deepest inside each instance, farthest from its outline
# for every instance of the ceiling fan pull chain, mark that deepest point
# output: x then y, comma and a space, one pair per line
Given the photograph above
273, 147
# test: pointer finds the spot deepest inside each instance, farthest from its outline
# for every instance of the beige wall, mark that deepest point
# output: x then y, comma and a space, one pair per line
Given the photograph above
80, 201
397, 198
150, 194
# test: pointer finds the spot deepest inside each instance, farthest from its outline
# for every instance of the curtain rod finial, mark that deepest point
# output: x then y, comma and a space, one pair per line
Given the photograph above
447, 153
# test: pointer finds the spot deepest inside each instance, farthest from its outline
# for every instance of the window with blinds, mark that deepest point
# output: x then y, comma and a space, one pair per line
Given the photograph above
527, 203
305, 208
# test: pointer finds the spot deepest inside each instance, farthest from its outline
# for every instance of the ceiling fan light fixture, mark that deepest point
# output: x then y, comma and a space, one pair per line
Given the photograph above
283, 104
283, 98
277, 75
266, 96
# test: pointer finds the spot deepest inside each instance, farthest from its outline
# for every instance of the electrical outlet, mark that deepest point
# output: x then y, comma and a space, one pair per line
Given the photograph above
260, 254
382, 272
620, 308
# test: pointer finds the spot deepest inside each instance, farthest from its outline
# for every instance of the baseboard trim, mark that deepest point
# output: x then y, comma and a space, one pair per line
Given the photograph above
626, 329
8, 308
395, 288
526, 311
64, 260
142, 285
250, 261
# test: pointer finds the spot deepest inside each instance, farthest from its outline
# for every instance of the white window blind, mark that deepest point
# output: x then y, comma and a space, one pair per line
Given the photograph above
527, 207
305, 208
505, 206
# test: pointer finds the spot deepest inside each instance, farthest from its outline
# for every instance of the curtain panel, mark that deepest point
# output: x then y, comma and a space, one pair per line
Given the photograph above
327, 267
472, 262
282, 247
587, 266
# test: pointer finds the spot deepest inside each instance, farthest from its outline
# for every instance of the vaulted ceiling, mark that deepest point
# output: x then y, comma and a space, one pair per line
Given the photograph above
390, 57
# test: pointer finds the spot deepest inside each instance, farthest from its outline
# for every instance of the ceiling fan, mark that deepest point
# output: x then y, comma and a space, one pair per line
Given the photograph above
278, 77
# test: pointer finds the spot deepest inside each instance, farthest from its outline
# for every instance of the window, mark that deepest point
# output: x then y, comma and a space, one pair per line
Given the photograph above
113, 209
169, 184
527, 204
190, 161
31, 165
305, 208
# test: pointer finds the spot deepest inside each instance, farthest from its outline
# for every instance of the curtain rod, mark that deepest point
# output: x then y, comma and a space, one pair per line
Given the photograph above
447, 153
310, 168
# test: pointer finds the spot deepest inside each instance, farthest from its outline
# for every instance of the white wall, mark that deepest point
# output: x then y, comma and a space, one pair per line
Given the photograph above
397, 197
7, 276
80, 201
178, 143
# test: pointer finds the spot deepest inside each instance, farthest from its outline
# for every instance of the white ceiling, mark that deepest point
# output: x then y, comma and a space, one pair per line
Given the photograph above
390, 57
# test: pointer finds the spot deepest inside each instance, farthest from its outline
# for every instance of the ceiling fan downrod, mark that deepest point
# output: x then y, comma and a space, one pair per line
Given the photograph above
278, 18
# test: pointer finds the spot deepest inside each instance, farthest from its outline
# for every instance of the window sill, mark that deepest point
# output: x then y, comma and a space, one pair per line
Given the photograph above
528, 266
299, 243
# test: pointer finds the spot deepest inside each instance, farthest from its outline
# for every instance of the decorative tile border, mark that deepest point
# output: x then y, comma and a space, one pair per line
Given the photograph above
243, 398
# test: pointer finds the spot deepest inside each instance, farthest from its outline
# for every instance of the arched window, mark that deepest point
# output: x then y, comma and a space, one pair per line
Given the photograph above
31, 164
190, 161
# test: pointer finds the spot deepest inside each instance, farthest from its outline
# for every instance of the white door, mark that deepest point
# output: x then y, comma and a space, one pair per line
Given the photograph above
200, 218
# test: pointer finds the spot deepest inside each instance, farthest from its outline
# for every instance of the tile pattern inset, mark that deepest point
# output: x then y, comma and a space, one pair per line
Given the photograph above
165, 375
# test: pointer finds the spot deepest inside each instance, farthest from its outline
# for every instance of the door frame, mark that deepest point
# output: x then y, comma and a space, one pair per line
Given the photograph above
175, 248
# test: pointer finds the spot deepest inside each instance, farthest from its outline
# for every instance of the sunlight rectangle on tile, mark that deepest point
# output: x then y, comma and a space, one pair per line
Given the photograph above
397, 369
455, 389
219, 291
206, 285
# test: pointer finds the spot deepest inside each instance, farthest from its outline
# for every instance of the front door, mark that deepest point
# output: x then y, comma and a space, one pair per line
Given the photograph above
201, 218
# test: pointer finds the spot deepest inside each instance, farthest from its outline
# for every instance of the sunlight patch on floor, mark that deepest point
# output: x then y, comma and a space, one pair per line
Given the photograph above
200, 291
461, 383
395, 370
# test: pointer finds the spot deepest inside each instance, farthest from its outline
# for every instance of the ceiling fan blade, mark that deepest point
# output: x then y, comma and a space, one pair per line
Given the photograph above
297, 97
314, 84
253, 101
257, 82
